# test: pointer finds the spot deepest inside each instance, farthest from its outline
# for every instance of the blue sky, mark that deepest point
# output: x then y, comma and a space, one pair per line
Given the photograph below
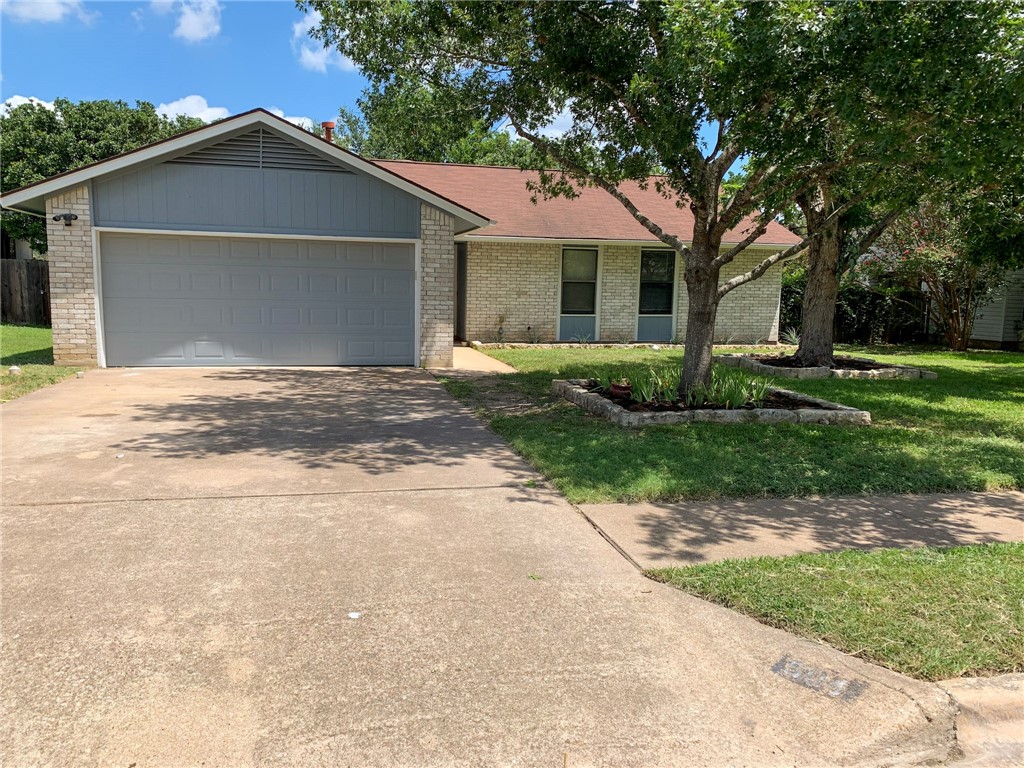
206, 58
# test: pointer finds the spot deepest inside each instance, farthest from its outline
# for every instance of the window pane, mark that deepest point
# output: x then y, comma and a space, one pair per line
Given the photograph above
579, 264
578, 298
657, 266
656, 299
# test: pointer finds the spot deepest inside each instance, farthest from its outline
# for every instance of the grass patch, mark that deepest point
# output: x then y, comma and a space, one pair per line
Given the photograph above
31, 349
963, 431
929, 613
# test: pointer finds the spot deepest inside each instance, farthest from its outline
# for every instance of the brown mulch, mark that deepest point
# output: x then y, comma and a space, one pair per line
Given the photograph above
776, 400
839, 363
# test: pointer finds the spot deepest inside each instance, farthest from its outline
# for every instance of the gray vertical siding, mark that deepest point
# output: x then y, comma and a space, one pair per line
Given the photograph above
1014, 314
989, 320
182, 196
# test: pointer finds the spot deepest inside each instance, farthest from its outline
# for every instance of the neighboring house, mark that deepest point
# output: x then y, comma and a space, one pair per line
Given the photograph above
253, 242
1000, 323
16, 249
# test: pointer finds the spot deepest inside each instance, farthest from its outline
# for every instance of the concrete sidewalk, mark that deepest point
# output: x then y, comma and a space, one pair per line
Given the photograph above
662, 535
468, 362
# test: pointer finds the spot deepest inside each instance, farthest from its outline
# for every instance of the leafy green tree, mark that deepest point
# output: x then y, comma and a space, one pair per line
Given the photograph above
405, 122
36, 143
956, 251
641, 82
942, 103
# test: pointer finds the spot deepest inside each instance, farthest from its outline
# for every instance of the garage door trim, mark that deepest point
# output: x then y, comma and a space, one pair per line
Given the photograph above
101, 343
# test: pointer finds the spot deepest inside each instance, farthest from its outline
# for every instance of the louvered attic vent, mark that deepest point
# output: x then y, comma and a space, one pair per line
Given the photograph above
259, 149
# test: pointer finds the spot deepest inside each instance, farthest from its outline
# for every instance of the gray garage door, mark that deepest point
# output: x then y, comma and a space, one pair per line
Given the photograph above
183, 300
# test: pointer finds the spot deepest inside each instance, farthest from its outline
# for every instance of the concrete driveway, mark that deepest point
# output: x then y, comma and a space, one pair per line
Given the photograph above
343, 567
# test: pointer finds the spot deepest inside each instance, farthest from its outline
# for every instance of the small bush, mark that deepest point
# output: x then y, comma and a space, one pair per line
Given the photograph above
650, 384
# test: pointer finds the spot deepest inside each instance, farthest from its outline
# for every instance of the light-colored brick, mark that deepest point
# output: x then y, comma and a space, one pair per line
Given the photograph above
72, 288
437, 287
512, 293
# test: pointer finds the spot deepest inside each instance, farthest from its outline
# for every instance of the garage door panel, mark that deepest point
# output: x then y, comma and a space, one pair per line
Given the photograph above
206, 283
396, 318
223, 301
397, 285
396, 257
240, 318
209, 350
242, 250
163, 282
247, 283
284, 317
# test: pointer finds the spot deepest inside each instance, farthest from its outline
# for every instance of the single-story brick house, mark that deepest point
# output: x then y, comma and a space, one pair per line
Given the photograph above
253, 242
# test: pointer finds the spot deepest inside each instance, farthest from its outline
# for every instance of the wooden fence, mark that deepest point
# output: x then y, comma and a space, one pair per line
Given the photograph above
24, 292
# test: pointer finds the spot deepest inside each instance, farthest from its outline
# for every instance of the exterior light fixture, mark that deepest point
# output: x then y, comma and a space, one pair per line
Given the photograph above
66, 217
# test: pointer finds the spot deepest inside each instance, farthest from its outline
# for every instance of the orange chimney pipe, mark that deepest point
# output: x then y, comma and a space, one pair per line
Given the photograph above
328, 126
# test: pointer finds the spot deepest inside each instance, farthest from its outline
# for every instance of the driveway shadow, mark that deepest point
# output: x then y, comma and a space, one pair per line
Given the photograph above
378, 420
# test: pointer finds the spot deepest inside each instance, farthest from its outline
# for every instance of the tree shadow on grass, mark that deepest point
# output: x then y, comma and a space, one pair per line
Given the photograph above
42, 356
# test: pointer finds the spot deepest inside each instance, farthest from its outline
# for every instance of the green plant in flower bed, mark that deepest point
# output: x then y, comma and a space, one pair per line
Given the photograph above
650, 384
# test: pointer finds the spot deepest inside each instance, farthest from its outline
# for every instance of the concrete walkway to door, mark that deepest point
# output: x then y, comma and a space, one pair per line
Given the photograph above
331, 566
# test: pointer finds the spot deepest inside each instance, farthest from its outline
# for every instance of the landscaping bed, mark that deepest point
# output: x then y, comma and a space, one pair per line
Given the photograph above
929, 613
845, 367
776, 407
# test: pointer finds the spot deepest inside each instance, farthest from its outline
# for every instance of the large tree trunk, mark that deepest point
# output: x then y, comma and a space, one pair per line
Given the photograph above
702, 309
819, 308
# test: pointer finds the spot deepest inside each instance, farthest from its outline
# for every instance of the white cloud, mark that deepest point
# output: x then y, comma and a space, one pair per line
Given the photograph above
47, 10
162, 7
302, 122
311, 53
193, 106
563, 122
198, 20
17, 101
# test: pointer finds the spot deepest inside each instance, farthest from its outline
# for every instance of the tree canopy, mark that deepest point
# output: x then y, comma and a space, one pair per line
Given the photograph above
797, 89
953, 248
406, 122
36, 143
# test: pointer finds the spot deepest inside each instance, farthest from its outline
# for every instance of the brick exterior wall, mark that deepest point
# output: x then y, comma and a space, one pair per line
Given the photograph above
437, 287
515, 286
747, 314
512, 286
72, 288
619, 266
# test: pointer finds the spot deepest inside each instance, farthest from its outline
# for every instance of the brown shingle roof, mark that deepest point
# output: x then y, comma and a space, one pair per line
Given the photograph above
501, 195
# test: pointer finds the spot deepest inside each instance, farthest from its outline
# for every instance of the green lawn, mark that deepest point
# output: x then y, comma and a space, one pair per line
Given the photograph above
929, 613
31, 349
963, 431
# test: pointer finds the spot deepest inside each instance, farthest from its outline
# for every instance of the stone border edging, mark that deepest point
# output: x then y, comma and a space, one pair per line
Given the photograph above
890, 372
575, 391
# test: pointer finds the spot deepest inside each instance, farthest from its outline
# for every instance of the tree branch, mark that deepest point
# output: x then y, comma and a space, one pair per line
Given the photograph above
876, 231
764, 266
790, 252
